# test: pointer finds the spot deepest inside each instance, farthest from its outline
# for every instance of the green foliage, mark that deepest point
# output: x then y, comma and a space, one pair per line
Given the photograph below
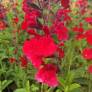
4, 84
73, 75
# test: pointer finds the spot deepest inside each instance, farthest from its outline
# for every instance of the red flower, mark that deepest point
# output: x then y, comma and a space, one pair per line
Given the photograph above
90, 69
88, 33
79, 36
42, 46
39, 47
89, 39
47, 75
26, 5
16, 19
65, 3
12, 60
87, 53
31, 20
78, 29
61, 32
24, 25
88, 36
2, 25
2, 11
46, 30
62, 15
82, 5
88, 20
36, 13
61, 44
23, 61
37, 61
60, 53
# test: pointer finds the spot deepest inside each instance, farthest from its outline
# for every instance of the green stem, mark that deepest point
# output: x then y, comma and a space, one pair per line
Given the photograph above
42, 88
68, 74
0, 86
89, 84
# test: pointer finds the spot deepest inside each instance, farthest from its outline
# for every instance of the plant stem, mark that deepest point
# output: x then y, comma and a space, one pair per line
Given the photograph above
89, 84
39, 4
69, 58
42, 87
41, 7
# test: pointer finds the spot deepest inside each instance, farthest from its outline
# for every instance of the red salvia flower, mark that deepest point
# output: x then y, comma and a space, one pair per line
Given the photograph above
89, 39
38, 47
36, 61
46, 29
2, 25
88, 36
24, 25
65, 3
61, 31
16, 20
79, 36
63, 15
12, 60
23, 61
31, 20
90, 69
2, 11
78, 29
82, 5
88, 20
42, 46
26, 6
88, 33
47, 74
33, 32
60, 53
87, 53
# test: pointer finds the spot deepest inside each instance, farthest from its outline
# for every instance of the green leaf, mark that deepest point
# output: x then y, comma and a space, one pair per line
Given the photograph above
20, 90
81, 81
34, 88
74, 0
5, 83
62, 81
74, 86
28, 86
58, 90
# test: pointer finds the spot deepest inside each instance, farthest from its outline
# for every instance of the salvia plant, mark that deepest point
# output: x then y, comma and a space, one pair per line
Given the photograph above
45, 46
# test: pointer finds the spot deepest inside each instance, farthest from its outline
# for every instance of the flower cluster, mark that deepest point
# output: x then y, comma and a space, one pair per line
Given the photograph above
42, 44
2, 17
46, 42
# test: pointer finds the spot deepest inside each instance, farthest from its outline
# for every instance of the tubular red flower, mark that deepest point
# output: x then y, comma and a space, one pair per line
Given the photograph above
79, 36
24, 25
38, 47
88, 20
2, 25
89, 39
88, 36
87, 53
47, 75
42, 46
60, 53
78, 29
65, 3
12, 60
90, 69
61, 32
23, 61
82, 4
16, 20
62, 15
